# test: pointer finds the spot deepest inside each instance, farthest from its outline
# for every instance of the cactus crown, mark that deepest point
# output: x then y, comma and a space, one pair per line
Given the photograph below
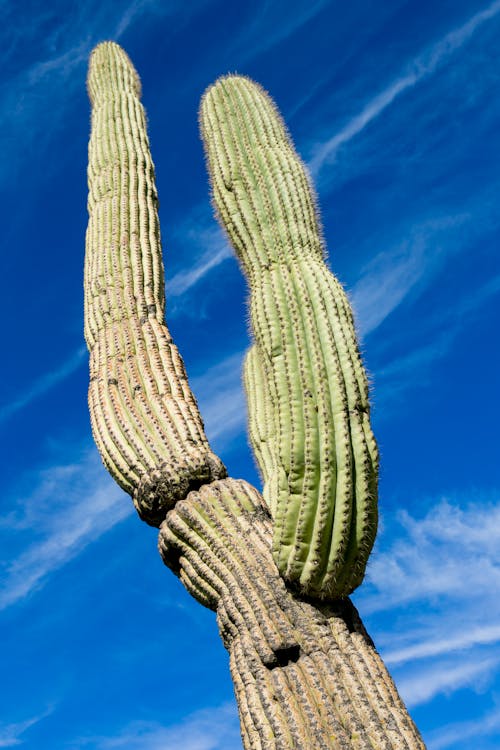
111, 71
306, 387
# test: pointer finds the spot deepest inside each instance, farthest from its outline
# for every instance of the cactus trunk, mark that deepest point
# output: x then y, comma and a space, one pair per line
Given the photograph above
306, 674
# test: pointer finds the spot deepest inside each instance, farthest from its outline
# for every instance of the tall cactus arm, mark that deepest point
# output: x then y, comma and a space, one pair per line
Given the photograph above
306, 387
144, 417
261, 416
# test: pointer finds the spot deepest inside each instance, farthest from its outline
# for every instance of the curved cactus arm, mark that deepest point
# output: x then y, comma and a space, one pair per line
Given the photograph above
309, 420
144, 416
305, 674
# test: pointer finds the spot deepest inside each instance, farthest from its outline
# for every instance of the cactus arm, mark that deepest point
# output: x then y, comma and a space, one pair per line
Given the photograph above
144, 416
321, 483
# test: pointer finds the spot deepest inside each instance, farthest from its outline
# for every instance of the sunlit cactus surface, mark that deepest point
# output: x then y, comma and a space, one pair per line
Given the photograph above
305, 382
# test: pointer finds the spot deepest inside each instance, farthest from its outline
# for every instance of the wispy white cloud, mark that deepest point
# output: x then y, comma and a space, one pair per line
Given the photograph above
43, 384
69, 507
393, 273
184, 280
216, 250
445, 679
135, 9
386, 281
71, 32
452, 552
11, 734
266, 30
459, 641
221, 398
407, 370
61, 65
461, 733
421, 67
208, 729
429, 583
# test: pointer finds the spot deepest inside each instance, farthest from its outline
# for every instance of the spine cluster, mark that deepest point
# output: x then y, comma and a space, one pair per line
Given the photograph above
306, 386
144, 417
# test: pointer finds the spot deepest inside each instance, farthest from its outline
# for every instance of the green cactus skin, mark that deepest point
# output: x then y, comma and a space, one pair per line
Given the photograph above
306, 387
144, 417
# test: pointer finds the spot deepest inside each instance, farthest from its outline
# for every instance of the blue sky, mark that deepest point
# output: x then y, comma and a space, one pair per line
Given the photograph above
395, 108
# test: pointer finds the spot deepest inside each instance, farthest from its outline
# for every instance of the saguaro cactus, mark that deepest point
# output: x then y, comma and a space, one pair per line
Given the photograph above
306, 674
144, 417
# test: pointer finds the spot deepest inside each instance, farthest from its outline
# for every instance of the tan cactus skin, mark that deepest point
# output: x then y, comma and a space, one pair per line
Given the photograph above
306, 675
306, 386
145, 420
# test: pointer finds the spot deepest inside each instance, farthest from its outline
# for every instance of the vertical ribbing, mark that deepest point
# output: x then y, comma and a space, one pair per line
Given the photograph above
306, 387
144, 416
305, 676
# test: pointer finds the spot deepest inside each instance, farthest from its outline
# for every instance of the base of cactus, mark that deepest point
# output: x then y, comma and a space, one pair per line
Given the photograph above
306, 676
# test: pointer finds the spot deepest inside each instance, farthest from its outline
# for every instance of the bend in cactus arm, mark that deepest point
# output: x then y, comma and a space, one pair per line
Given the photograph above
318, 457
145, 419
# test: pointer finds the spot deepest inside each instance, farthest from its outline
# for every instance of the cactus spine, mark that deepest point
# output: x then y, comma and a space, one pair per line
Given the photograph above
144, 417
306, 674
306, 387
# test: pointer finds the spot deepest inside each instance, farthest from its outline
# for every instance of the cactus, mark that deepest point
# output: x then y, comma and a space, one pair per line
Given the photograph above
145, 420
306, 673
304, 377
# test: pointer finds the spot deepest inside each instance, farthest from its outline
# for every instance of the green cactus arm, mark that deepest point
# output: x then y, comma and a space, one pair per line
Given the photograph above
144, 416
319, 457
